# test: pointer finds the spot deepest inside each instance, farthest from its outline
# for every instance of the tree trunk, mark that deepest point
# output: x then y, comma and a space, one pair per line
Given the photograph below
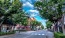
63, 25
1, 22
1, 25
63, 29
54, 26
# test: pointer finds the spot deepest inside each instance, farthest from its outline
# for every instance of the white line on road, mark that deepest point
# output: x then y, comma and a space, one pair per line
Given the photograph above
43, 34
39, 34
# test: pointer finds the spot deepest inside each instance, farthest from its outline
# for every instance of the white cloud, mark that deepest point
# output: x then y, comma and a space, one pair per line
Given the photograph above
43, 20
33, 11
33, 15
28, 4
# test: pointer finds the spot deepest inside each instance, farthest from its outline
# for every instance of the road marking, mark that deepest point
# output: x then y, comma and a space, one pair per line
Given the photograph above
43, 34
39, 34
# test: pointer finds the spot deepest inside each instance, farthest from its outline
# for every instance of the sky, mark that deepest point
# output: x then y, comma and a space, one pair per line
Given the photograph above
28, 7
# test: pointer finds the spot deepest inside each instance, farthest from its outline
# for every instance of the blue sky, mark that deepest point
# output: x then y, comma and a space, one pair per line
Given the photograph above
28, 7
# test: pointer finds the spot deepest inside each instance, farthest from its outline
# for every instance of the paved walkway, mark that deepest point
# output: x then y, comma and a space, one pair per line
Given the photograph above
6, 36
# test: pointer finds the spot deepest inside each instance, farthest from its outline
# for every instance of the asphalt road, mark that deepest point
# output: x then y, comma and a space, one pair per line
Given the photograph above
31, 34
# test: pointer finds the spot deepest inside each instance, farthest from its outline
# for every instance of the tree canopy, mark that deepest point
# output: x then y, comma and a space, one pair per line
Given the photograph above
12, 10
34, 23
48, 24
20, 18
51, 9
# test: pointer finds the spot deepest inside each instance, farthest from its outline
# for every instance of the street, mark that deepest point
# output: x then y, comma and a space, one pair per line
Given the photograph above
31, 34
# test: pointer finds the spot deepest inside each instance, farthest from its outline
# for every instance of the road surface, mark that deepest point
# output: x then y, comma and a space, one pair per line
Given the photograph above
31, 34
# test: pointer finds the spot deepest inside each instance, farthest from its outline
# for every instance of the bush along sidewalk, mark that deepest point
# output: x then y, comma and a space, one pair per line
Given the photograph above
6, 33
59, 35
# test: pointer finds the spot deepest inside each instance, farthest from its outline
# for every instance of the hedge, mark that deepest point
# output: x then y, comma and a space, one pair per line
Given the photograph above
59, 35
6, 33
21, 30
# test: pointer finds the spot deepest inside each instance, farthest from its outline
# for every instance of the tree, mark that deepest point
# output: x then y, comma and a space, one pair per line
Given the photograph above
20, 18
8, 8
42, 27
50, 10
48, 24
35, 24
25, 22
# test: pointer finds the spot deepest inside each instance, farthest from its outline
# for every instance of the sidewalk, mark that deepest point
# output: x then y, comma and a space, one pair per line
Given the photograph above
6, 36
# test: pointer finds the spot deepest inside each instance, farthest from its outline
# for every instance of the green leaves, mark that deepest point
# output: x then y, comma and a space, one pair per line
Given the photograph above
20, 18
34, 23
50, 9
11, 10
48, 24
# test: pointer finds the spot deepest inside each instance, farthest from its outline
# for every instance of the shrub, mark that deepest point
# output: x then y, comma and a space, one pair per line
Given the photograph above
21, 30
6, 33
59, 35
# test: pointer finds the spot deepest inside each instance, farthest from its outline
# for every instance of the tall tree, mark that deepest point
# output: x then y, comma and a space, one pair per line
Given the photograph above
8, 8
50, 9
20, 18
